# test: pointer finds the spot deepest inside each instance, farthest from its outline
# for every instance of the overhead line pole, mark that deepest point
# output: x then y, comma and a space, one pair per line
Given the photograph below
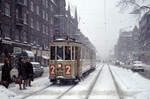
105, 15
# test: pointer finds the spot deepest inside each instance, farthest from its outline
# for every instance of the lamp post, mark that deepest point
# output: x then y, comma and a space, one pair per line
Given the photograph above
1, 47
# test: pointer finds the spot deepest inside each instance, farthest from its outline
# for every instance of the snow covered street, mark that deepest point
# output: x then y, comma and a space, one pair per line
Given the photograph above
104, 88
131, 85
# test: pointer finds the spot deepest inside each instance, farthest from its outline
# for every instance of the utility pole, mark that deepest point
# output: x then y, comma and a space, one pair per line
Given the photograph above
105, 16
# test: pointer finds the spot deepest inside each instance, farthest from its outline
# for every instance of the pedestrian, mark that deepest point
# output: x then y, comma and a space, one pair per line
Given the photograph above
6, 68
29, 71
22, 78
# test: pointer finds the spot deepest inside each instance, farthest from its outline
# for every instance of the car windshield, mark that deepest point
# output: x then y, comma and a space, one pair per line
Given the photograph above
138, 62
36, 65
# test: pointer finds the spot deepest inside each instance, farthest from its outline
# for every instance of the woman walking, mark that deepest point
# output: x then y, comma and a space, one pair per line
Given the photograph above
6, 73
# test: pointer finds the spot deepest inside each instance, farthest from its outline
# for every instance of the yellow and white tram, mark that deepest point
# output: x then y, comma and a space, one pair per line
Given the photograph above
69, 61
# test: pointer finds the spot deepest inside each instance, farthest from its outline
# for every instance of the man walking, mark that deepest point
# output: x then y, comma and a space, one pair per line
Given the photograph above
22, 73
29, 71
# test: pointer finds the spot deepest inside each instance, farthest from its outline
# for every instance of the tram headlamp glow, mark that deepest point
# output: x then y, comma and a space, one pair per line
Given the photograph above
59, 65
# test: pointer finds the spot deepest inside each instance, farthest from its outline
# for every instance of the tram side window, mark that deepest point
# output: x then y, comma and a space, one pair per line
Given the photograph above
73, 53
77, 53
59, 52
52, 52
67, 53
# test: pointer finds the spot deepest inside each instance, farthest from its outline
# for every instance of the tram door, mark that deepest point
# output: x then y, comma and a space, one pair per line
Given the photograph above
77, 58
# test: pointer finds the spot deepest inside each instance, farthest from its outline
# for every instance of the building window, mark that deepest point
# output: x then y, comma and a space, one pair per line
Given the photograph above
32, 8
47, 30
24, 36
51, 21
43, 29
46, 16
38, 26
17, 34
43, 14
43, 2
7, 31
31, 23
37, 10
52, 8
7, 9
46, 2
25, 18
25, 2
17, 13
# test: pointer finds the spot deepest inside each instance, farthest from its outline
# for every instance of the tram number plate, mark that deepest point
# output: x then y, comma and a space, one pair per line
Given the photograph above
68, 69
52, 69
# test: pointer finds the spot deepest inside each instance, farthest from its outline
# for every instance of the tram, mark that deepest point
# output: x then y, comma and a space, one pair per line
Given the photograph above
70, 61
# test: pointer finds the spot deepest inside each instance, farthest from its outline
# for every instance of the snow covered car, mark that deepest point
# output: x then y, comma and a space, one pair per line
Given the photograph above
37, 69
138, 66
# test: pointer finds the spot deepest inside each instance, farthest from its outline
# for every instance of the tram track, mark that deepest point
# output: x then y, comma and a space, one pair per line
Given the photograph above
90, 89
68, 89
116, 84
36, 92
64, 93
93, 84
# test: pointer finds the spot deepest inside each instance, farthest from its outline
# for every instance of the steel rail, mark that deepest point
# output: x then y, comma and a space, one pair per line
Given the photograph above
93, 84
116, 84
34, 93
64, 93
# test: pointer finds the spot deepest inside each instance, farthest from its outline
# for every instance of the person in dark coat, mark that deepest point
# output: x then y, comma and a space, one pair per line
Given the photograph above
22, 73
29, 71
6, 68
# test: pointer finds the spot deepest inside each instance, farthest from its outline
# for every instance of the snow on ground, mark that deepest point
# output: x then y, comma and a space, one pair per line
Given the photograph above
132, 84
13, 91
104, 88
36, 85
6, 94
78, 92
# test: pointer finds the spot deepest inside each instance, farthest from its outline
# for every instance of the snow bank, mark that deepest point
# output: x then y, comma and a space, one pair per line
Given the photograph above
131, 83
6, 94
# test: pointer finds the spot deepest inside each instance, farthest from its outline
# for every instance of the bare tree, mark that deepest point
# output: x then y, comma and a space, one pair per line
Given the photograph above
135, 5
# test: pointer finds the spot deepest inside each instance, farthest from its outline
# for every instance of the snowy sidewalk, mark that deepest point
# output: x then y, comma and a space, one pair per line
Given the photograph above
133, 85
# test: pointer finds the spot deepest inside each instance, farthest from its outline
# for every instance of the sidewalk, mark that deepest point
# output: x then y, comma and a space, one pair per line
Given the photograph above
13, 91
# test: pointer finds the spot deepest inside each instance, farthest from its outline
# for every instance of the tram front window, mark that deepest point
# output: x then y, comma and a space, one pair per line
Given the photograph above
52, 52
67, 53
59, 52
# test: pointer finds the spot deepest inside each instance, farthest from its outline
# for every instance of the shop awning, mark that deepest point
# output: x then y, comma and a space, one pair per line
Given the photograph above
30, 54
27, 53
45, 57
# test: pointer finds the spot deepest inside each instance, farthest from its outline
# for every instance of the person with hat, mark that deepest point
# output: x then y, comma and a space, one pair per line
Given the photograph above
22, 73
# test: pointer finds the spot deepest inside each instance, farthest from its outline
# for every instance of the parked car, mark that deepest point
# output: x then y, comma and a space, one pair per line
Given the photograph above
37, 69
138, 66
1, 64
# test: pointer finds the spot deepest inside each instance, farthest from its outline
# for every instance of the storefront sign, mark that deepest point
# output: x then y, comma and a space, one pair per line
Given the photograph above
39, 53
17, 50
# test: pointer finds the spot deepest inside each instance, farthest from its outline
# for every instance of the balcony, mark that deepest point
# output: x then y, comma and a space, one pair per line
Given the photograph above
20, 2
19, 21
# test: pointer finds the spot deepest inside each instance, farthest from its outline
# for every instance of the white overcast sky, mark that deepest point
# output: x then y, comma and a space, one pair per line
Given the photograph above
92, 22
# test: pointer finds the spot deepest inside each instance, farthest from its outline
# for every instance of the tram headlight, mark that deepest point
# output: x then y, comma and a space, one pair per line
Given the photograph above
59, 65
